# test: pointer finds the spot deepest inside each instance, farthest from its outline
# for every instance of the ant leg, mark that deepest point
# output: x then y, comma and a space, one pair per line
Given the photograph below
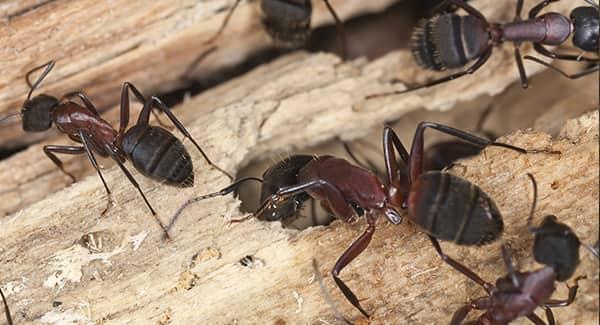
460, 315
336, 200
416, 155
536, 319
222, 192
366, 165
224, 24
396, 174
132, 180
49, 150
522, 73
125, 102
92, 159
572, 294
49, 65
509, 266
155, 102
84, 98
340, 29
588, 70
453, 76
537, 8
6, 310
357, 247
549, 316
460, 267
519, 9
187, 75
568, 57
469, 9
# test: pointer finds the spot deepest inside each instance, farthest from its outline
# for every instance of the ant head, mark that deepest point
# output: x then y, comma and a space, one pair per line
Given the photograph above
586, 28
37, 111
287, 22
556, 245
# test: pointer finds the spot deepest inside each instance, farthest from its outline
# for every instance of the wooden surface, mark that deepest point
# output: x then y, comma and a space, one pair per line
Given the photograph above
59, 249
197, 277
100, 44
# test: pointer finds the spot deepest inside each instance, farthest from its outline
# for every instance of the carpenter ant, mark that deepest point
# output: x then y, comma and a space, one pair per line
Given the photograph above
6, 310
518, 293
441, 204
287, 22
154, 151
449, 41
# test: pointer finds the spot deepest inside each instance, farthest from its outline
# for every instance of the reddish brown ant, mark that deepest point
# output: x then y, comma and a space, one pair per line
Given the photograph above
441, 204
518, 294
154, 151
449, 41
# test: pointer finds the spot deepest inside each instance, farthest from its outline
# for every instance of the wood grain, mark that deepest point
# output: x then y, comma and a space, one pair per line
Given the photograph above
48, 254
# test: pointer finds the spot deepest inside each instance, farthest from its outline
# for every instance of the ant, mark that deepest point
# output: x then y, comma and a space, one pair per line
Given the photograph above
449, 41
153, 151
287, 22
6, 310
441, 204
518, 293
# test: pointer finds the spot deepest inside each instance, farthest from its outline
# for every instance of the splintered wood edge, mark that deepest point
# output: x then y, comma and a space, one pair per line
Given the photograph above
150, 43
116, 269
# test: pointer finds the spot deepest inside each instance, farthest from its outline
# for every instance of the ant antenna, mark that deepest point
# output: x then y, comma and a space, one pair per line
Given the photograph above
532, 211
340, 29
10, 116
49, 65
222, 192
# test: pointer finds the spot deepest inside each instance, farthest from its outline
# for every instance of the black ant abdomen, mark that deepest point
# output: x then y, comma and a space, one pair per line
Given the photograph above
453, 209
287, 22
158, 154
448, 41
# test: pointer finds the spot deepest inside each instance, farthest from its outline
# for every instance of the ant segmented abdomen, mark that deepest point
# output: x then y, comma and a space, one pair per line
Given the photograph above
158, 154
448, 41
451, 208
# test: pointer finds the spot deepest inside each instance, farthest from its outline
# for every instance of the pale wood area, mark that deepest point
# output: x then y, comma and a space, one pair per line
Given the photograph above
58, 248
197, 277
100, 44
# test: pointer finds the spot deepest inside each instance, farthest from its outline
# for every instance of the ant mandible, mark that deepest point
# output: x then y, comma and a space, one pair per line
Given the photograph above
518, 293
441, 204
153, 151
449, 41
